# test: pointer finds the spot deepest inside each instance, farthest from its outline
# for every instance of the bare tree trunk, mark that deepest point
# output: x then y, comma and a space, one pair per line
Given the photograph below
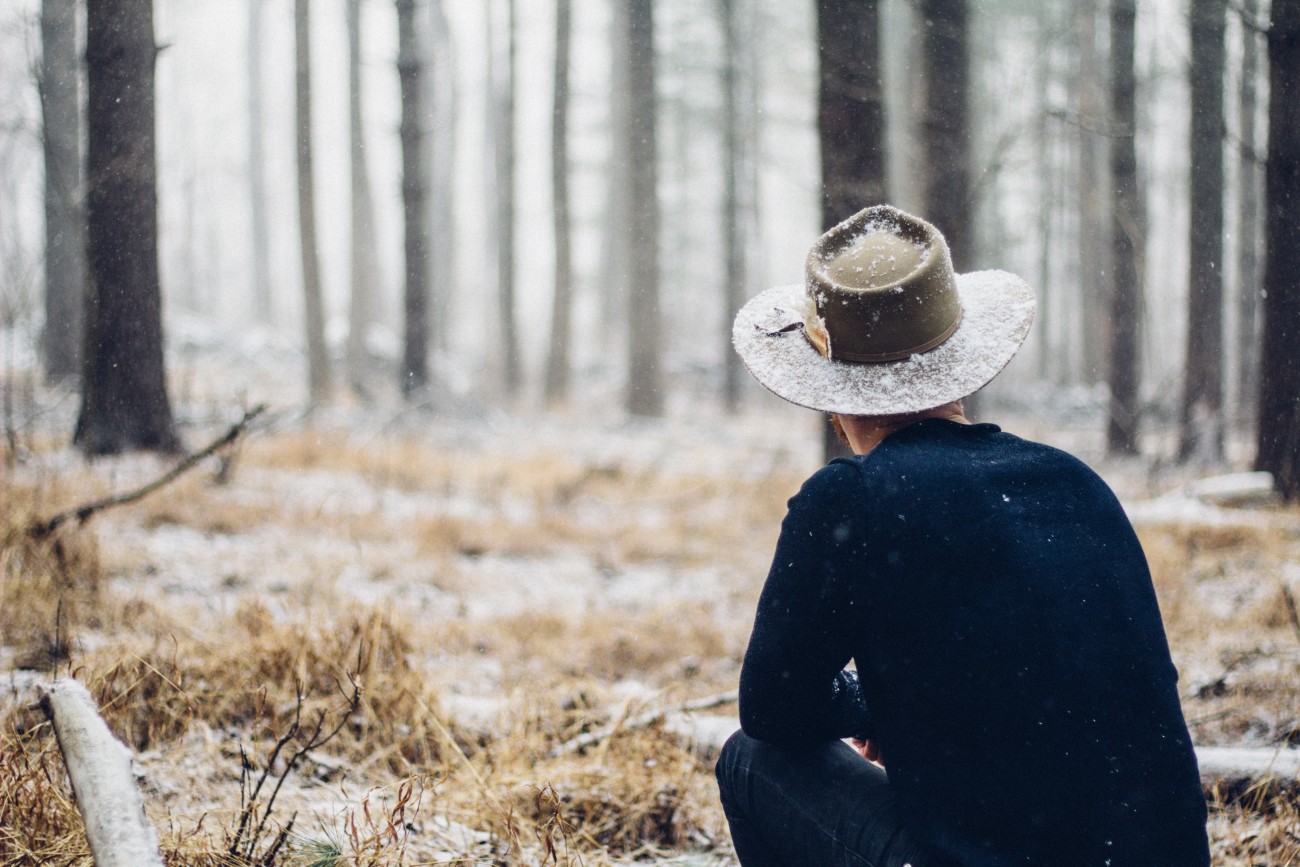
1248, 222
645, 380
124, 386
1047, 199
364, 261
65, 239
612, 273
850, 122
1093, 184
946, 126
415, 355
504, 149
1279, 395
557, 362
442, 160
257, 169
1201, 434
318, 361
733, 220
1127, 233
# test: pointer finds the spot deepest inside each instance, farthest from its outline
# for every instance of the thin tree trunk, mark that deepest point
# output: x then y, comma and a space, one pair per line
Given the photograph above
733, 227
557, 362
612, 273
65, 239
415, 355
318, 362
850, 123
1093, 184
946, 126
504, 149
1046, 172
364, 266
1127, 232
124, 386
1279, 395
441, 92
1201, 433
1248, 222
258, 224
645, 386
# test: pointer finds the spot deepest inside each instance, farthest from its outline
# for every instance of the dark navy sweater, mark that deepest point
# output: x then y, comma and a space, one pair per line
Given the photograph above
1013, 665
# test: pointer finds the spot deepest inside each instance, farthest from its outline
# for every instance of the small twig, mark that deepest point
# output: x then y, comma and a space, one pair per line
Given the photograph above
42, 529
587, 739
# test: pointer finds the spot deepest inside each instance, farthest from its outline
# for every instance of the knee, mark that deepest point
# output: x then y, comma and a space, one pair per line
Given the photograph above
733, 762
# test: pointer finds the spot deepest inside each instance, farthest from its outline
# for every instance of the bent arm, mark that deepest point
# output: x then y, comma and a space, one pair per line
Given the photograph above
793, 686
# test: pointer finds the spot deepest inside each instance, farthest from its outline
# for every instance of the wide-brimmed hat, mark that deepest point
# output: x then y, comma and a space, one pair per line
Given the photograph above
883, 325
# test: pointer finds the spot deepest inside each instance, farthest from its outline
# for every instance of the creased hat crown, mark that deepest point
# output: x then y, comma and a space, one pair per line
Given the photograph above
883, 288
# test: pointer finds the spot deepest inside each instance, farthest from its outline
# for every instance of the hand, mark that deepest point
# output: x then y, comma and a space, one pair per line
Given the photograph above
868, 749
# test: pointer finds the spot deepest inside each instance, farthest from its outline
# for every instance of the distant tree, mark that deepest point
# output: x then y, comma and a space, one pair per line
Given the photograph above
612, 270
318, 360
1095, 235
65, 239
645, 380
415, 354
557, 360
945, 125
1279, 395
503, 137
1127, 232
1249, 184
734, 170
124, 403
850, 121
1201, 428
441, 94
258, 225
364, 264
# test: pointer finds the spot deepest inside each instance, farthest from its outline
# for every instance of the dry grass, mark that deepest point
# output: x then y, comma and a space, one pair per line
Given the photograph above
187, 683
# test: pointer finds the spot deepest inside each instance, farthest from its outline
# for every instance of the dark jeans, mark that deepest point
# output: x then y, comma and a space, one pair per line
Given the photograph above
821, 806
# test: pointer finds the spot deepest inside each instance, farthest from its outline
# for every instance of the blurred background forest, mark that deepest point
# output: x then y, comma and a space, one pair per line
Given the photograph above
468, 269
513, 204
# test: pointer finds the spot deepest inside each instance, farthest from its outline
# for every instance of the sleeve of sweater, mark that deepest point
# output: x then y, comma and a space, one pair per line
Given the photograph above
793, 686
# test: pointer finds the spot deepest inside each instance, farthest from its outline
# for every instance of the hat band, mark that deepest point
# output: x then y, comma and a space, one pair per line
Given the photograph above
822, 342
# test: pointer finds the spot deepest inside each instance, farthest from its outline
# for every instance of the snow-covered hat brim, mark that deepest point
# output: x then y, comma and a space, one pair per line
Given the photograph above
997, 310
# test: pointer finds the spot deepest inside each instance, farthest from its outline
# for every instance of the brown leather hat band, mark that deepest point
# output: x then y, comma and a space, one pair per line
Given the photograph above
897, 355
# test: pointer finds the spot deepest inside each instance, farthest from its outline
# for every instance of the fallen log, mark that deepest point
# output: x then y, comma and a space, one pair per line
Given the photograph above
1225, 770
99, 767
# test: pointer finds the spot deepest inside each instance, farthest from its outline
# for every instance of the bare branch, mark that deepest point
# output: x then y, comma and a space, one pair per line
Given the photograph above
81, 514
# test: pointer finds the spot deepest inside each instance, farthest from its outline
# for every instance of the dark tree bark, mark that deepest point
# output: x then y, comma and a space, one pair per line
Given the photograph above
503, 136
258, 224
557, 361
1201, 429
415, 354
946, 126
1127, 233
364, 264
1249, 173
124, 387
733, 179
1279, 396
65, 239
645, 386
851, 108
318, 361
850, 122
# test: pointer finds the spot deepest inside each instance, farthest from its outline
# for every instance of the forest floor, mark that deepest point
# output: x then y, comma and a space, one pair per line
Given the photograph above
462, 597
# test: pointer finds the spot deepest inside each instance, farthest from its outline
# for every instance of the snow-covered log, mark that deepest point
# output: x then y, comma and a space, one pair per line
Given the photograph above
1237, 767
99, 766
